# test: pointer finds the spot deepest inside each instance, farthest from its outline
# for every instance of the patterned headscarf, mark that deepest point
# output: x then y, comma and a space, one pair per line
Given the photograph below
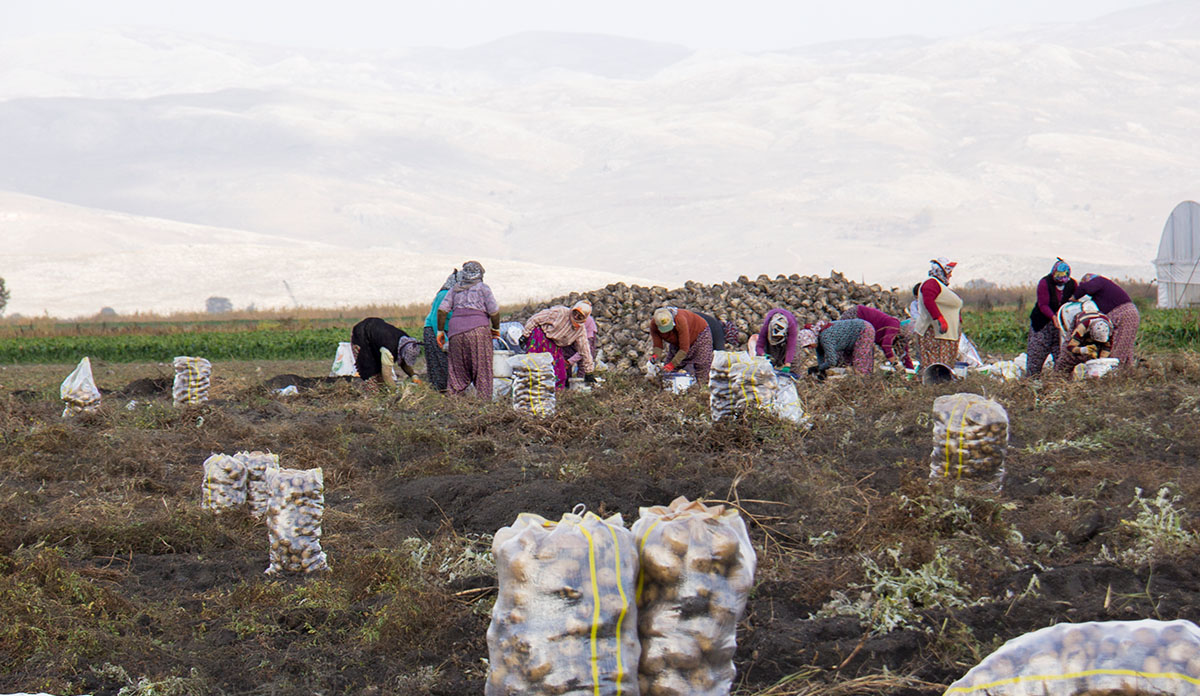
471, 273
583, 307
408, 349
808, 335
664, 319
451, 280
1100, 330
1086, 277
941, 268
1061, 272
777, 330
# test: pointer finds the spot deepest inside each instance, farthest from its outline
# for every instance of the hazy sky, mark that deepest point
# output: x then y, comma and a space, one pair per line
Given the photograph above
745, 25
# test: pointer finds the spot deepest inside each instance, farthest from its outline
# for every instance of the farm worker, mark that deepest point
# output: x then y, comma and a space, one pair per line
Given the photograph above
475, 321
888, 336
838, 343
574, 357
369, 337
1116, 304
937, 325
435, 358
1091, 337
777, 339
689, 337
1055, 288
557, 328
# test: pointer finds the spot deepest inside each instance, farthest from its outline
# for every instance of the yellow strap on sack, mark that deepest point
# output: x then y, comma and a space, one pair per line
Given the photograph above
595, 659
1073, 675
624, 609
962, 432
642, 573
963, 423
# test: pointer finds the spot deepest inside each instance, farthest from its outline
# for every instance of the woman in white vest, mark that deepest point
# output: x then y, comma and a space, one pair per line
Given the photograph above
937, 326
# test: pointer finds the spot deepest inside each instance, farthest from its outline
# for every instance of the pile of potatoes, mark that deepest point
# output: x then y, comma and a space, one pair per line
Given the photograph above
533, 383
564, 622
192, 377
257, 464
738, 381
970, 438
697, 570
1091, 659
224, 483
295, 506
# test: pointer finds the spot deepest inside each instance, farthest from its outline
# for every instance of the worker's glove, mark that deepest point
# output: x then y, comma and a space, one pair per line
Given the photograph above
495, 333
441, 340
943, 325
523, 343
415, 379
786, 368
669, 367
589, 378
654, 358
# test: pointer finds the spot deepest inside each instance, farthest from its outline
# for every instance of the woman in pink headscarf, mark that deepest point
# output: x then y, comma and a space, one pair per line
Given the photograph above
557, 328
937, 327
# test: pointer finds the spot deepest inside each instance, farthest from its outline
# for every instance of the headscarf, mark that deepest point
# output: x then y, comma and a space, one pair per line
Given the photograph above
941, 268
1086, 277
408, 349
664, 319
777, 330
1061, 272
471, 273
451, 280
1100, 330
806, 337
583, 307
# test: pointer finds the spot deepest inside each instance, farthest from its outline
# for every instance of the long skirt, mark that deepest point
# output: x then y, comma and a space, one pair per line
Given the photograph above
1040, 344
538, 343
943, 351
862, 358
436, 363
698, 361
1125, 321
471, 362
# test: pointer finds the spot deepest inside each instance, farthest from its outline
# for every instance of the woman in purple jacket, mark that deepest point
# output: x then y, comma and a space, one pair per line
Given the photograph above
777, 339
1114, 302
1054, 289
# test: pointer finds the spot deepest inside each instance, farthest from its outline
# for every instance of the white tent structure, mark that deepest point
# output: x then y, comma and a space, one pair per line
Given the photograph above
1178, 261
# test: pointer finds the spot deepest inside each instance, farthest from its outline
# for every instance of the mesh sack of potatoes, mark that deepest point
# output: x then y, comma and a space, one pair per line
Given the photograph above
191, 380
79, 391
295, 505
257, 464
1091, 659
564, 622
533, 383
224, 483
970, 438
697, 569
738, 381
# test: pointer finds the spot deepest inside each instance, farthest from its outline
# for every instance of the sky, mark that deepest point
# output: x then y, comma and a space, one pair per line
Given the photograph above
755, 25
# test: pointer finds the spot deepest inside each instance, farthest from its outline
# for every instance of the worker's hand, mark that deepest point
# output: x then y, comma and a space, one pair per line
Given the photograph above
943, 325
786, 368
523, 343
415, 379
441, 340
654, 358
589, 378
495, 333
669, 367
813, 370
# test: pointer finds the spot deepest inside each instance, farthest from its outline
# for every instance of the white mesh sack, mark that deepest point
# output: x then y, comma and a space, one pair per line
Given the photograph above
697, 570
533, 383
738, 381
257, 464
1091, 659
191, 380
564, 622
296, 504
970, 438
224, 483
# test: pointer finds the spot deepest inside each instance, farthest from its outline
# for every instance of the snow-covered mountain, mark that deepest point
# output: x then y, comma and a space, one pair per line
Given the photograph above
1003, 149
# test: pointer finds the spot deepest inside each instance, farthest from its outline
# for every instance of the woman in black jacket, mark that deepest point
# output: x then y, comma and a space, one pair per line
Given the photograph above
1053, 290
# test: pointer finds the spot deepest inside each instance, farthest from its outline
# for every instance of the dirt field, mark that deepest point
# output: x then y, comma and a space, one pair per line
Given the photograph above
111, 573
